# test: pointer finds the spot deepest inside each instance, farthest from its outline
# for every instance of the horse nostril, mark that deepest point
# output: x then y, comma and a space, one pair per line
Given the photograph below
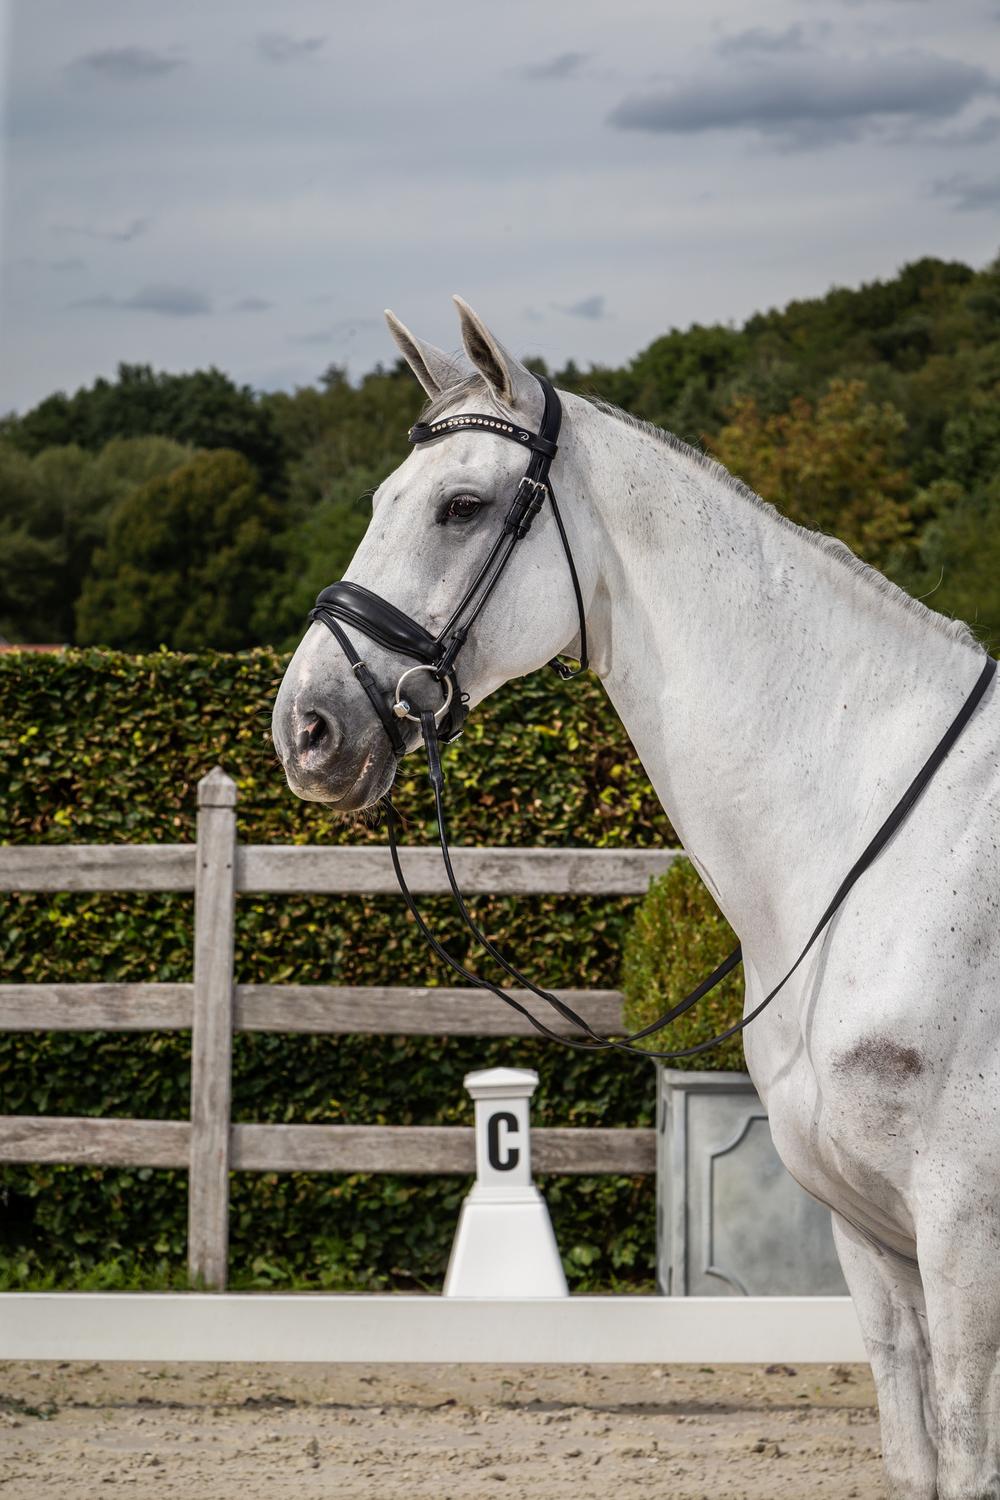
316, 730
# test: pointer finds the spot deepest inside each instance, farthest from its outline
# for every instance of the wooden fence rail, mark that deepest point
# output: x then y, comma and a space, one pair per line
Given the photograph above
216, 869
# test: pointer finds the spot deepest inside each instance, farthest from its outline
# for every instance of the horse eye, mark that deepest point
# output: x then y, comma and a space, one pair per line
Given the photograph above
460, 508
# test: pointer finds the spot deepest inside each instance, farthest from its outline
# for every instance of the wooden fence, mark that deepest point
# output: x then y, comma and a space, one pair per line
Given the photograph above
209, 1146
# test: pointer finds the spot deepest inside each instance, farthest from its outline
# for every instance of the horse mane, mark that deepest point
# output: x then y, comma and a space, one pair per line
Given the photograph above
473, 385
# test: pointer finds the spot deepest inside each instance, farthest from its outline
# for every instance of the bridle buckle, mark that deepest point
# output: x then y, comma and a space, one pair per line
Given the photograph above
527, 503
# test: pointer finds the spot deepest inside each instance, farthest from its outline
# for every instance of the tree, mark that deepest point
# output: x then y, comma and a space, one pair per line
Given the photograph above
317, 544
688, 367
186, 558
955, 567
830, 466
54, 511
362, 426
971, 447
203, 410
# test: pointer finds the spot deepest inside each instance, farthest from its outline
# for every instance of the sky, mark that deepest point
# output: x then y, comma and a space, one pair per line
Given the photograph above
249, 184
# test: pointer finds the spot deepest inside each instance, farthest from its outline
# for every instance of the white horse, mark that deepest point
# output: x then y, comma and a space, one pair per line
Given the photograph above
781, 695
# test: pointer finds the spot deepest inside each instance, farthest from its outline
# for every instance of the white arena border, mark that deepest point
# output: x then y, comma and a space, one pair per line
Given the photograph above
272, 1326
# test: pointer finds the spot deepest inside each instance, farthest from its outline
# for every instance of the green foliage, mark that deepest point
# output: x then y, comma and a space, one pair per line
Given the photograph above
361, 426
99, 747
25, 1273
185, 560
830, 466
971, 447
204, 409
677, 937
54, 512
682, 371
957, 563
333, 515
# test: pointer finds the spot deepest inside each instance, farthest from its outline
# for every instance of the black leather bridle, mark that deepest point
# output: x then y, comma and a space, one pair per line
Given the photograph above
350, 604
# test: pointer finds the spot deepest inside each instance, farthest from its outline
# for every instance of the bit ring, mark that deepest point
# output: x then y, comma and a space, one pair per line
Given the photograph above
401, 707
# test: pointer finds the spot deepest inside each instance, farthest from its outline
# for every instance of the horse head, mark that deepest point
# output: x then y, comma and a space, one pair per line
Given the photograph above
345, 712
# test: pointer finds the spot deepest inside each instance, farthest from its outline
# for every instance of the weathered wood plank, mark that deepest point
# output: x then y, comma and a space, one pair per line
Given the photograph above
95, 1007
592, 1150
413, 1149
353, 1148
212, 1031
343, 869
336, 869
330, 1010
397, 1011
431, 1149
88, 1142
97, 867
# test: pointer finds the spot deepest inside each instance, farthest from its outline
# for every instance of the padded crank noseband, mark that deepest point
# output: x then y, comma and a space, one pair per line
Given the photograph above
350, 604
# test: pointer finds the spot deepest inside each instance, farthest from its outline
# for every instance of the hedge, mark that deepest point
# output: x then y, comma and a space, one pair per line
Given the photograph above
676, 938
102, 747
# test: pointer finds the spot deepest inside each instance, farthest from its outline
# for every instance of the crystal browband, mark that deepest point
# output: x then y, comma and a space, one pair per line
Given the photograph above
424, 432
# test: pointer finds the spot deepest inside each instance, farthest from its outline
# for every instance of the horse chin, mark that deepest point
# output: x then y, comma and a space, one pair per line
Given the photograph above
350, 793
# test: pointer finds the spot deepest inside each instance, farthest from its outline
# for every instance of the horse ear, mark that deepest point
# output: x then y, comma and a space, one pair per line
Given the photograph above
511, 382
435, 369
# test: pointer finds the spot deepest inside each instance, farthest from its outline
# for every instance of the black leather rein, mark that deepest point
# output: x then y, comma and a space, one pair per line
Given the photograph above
351, 604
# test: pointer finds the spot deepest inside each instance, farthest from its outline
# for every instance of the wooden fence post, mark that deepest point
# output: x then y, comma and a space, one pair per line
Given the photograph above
212, 1031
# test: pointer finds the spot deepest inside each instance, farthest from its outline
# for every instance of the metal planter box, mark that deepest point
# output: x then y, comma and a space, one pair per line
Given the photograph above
730, 1220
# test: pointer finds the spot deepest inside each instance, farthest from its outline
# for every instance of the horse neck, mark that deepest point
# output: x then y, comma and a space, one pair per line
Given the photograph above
780, 697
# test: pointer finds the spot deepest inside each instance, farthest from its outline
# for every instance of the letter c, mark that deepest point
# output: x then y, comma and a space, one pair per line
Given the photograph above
509, 1160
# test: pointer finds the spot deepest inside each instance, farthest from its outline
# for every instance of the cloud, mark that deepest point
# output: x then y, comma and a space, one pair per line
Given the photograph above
126, 64
68, 263
159, 297
968, 194
131, 231
761, 39
252, 304
563, 65
588, 307
338, 332
809, 100
280, 47
983, 133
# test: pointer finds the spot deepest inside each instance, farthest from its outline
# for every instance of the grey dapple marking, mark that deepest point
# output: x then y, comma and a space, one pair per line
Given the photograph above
781, 695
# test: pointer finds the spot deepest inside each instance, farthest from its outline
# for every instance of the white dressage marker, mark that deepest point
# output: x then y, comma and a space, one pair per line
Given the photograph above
504, 1246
